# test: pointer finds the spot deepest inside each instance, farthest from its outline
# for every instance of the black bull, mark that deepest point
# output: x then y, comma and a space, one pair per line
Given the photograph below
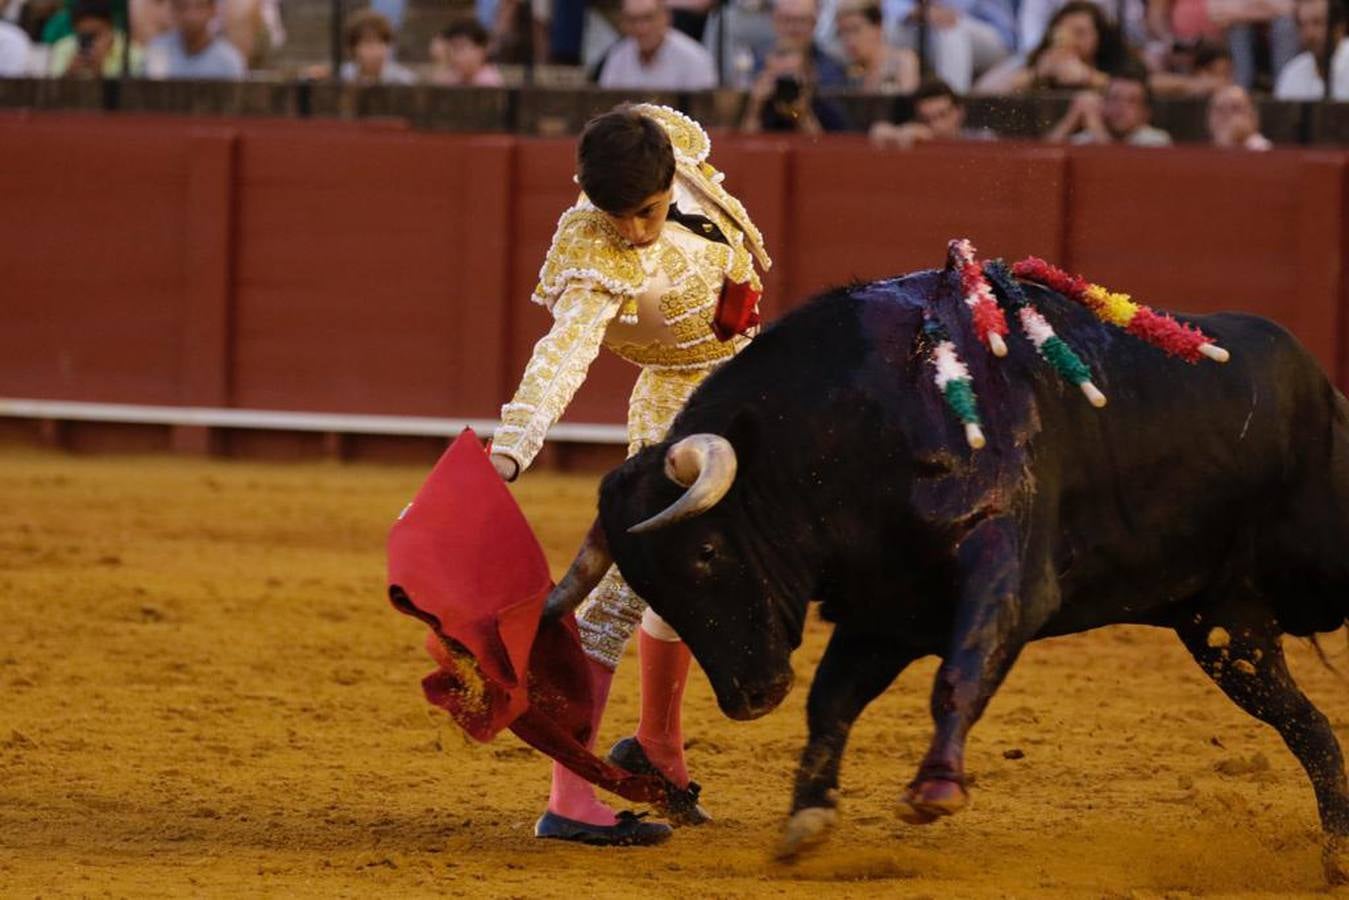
1207, 499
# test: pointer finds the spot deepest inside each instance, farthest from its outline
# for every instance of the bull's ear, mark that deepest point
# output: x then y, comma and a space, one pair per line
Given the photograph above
743, 433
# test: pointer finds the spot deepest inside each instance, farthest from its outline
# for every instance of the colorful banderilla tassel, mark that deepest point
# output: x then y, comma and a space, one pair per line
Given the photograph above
1142, 322
1051, 347
990, 325
953, 380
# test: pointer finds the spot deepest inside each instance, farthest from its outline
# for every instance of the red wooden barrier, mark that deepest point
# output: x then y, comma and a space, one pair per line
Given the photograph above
370, 272
1199, 231
368, 269
860, 213
111, 254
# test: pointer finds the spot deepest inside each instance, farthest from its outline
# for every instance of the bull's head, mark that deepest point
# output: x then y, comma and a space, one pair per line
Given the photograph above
683, 531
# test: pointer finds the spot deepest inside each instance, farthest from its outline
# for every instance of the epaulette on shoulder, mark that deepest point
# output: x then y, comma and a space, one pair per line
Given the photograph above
690, 142
587, 249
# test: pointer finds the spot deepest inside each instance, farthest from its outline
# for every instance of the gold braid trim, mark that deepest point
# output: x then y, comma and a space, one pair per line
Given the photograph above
691, 144
586, 248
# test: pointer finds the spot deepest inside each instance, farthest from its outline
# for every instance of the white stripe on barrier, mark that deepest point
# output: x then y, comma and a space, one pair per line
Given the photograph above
279, 420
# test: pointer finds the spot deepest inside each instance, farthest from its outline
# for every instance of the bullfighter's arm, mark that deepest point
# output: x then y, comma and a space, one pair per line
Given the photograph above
556, 370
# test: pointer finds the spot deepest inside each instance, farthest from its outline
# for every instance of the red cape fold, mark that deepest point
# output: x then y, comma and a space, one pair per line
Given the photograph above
463, 560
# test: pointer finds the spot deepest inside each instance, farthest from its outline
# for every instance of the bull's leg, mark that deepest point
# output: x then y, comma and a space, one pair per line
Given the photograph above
986, 637
1245, 659
854, 671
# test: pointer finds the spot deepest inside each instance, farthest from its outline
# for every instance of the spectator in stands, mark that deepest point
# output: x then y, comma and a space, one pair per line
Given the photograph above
938, 115
95, 47
14, 51
192, 50
1181, 24
794, 24
370, 43
32, 16
519, 30
874, 66
1192, 71
1122, 116
1233, 121
1034, 17
1080, 49
965, 37
653, 56
1250, 22
747, 36
459, 56
149, 20
1304, 76
690, 16
785, 94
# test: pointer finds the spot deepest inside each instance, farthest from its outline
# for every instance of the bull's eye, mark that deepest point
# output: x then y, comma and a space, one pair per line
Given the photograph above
707, 553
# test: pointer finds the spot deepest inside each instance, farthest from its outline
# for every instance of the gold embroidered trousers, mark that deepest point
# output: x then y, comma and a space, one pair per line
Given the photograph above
608, 617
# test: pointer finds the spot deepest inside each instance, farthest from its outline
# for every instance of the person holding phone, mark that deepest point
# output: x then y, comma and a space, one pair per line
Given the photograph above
785, 93
95, 48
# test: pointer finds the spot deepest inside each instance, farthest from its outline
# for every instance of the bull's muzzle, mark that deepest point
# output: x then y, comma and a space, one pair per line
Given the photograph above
751, 702
705, 464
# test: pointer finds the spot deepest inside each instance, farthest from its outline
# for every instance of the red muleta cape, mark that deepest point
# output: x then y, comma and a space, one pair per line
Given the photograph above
463, 560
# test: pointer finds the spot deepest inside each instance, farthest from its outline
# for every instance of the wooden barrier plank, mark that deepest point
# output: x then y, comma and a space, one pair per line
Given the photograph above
97, 251
857, 212
1318, 267
208, 292
207, 301
370, 272
1199, 231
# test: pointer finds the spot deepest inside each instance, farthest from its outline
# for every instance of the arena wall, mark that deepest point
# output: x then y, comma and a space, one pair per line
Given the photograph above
359, 269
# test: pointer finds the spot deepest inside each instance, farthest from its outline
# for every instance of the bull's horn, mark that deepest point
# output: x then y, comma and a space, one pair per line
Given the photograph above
703, 463
584, 573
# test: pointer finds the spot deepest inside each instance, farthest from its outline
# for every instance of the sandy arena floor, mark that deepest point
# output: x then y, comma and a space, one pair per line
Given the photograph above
203, 692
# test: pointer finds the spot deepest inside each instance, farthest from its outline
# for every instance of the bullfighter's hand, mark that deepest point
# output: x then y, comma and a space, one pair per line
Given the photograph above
506, 467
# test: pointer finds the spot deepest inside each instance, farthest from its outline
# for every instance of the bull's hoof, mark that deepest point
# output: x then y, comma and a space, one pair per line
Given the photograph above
1335, 859
932, 799
805, 830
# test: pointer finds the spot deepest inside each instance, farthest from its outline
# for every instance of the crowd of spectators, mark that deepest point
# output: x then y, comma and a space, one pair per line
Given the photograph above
791, 58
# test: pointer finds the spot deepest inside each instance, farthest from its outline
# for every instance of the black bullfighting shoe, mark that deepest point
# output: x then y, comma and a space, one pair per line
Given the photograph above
686, 810
628, 831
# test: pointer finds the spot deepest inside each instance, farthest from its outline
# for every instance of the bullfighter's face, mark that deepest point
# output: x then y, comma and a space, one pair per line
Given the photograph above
708, 576
642, 224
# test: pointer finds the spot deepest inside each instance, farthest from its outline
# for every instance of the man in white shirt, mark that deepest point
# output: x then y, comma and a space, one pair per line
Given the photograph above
14, 47
653, 56
1122, 116
192, 50
1303, 77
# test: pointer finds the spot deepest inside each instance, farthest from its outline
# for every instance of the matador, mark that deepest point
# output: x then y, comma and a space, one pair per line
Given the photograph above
657, 262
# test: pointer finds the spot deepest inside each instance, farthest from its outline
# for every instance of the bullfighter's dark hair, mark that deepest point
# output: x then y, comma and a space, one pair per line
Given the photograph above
623, 157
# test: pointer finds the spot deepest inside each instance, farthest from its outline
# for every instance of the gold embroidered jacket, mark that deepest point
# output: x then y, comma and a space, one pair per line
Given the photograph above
652, 305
